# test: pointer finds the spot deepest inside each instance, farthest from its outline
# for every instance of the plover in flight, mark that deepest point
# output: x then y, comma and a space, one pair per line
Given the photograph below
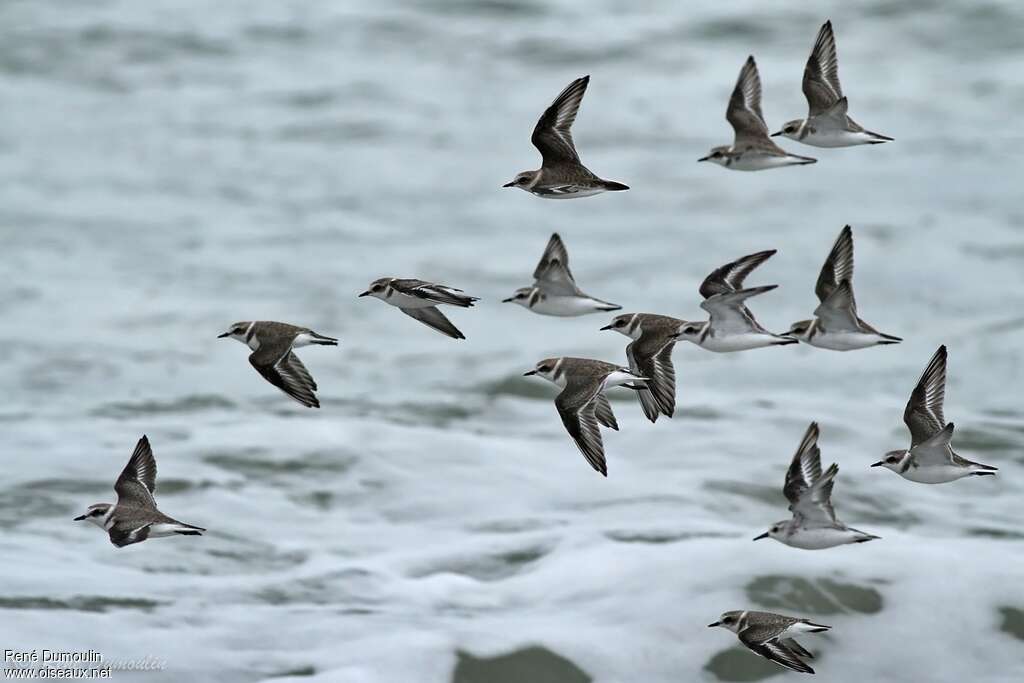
752, 149
731, 326
419, 300
582, 404
772, 636
827, 123
134, 517
836, 325
561, 174
814, 525
650, 355
930, 458
554, 290
272, 344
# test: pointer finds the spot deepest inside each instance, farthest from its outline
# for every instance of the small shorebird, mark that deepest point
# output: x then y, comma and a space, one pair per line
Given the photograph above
650, 355
814, 525
731, 326
272, 344
836, 325
930, 458
561, 174
827, 123
582, 404
752, 149
135, 517
554, 291
419, 299
772, 636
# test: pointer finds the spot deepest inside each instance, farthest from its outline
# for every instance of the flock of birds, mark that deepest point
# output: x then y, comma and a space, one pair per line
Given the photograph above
582, 403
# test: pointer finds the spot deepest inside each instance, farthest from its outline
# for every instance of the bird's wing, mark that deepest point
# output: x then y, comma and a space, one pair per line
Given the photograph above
821, 75
744, 110
809, 491
552, 274
838, 266
282, 368
603, 411
729, 278
577, 408
937, 449
839, 311
728, 312
126, 533
137, 481
777, 652
430, 291
651, 357
648, 402
923, 414
552, 135
433, 318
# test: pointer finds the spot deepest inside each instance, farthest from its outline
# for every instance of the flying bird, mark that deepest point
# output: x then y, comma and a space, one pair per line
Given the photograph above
554, 291
273, 356
827, 124
419, 299
135, 517
650, 355
772, 636
752, 149
814, 525
730, 325
582, 403
930, 458
836, 325
561, 174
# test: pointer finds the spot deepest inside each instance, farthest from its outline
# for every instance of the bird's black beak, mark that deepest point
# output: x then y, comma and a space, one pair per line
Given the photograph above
717, 623
764, 535
703, 159
80, 518
877, 464
531, 372
221, 336
606, 327
507, 301
366, 293
775, 135
512, 184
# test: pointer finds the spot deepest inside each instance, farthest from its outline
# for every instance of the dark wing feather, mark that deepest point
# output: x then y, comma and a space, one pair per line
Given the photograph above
124, 534
821, 75
603, 412
778, 653
435, 319
286, 372
577, 408
552, 135
137, 481
729, 278
808, 491
744, 110
923, 414
552, 273
838, 266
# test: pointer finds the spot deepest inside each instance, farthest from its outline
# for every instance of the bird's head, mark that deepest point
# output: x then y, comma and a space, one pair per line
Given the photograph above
236, 331
95, 514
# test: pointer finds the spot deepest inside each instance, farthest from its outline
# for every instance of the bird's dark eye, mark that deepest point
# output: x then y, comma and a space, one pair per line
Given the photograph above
620, 323
96, 513
376, 288
892, 459
545, 368
727, 620
520, 296
790, 129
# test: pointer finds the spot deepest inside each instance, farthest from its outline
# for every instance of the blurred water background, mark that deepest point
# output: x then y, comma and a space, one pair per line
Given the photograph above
168, 168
